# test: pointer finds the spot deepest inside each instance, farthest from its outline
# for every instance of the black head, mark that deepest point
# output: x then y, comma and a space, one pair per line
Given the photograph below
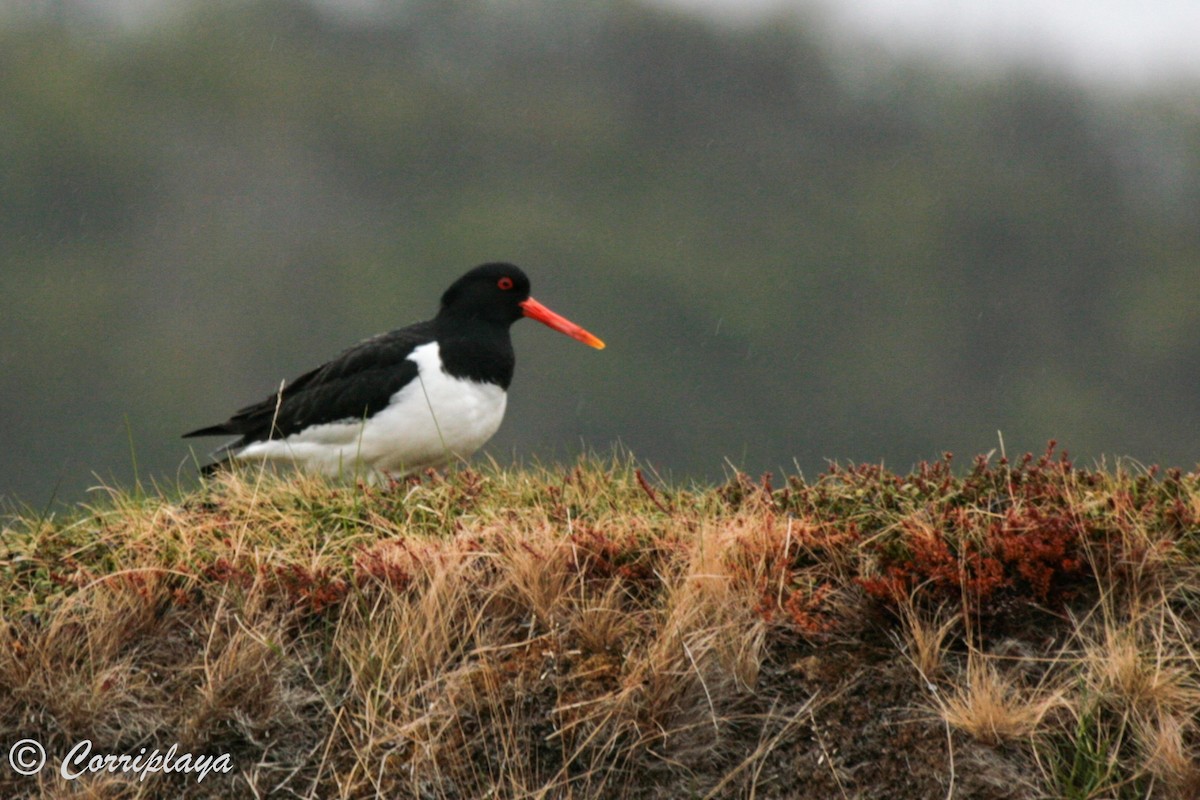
498, 294
492, 292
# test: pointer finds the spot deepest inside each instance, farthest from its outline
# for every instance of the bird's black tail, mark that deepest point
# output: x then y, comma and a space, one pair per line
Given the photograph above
222, 457
212, 430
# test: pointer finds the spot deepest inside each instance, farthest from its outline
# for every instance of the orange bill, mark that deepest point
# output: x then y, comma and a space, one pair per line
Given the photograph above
535, 310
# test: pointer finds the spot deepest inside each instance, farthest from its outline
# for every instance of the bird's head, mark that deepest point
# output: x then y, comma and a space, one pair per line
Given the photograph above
499, 293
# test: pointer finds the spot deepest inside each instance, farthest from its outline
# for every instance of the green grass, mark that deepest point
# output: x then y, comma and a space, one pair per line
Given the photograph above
1003, 630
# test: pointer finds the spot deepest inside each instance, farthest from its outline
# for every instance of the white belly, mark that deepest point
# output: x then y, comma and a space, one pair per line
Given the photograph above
433, 420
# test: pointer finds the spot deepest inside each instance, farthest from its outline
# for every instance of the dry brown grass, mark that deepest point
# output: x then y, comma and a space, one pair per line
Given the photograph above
578, 633
926, 638
991, 706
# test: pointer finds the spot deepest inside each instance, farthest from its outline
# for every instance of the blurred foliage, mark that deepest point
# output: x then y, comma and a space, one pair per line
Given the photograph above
794, 253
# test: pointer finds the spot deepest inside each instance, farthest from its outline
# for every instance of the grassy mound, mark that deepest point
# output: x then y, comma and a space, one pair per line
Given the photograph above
1001, 631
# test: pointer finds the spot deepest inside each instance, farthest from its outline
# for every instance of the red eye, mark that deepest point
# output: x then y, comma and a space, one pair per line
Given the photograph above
505, 283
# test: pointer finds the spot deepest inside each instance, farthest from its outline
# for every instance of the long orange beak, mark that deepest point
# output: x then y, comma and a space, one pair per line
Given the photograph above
535, 310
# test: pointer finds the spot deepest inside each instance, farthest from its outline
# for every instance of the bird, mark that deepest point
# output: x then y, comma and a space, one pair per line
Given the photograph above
417, 397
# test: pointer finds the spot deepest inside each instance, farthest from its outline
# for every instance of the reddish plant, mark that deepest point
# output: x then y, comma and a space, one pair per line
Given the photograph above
313, 590
602, 557
1010, 533
387, 562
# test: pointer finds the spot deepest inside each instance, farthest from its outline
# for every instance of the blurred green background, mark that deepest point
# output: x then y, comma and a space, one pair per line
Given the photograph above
795, 250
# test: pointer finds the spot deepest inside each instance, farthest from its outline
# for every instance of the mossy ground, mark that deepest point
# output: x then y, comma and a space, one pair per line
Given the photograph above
1004, 630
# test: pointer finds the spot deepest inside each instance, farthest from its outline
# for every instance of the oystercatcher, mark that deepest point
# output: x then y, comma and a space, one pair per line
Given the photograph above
416, 397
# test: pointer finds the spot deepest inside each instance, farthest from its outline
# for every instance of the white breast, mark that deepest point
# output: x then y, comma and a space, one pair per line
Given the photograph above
433, 420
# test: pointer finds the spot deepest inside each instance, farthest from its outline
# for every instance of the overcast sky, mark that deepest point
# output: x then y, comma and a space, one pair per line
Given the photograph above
1118, 41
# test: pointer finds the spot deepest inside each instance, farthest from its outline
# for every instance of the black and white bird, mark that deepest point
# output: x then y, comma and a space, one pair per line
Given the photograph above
416, 397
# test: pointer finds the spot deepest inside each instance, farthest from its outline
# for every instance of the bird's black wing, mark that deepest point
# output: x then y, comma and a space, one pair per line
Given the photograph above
353, 386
